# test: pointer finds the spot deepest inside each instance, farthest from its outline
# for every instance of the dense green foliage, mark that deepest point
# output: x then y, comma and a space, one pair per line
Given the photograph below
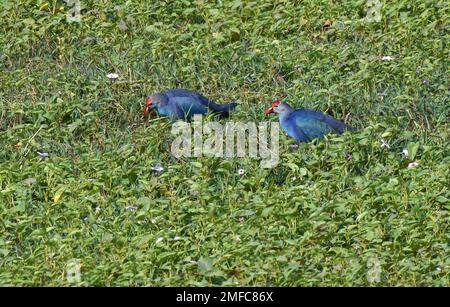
330, 213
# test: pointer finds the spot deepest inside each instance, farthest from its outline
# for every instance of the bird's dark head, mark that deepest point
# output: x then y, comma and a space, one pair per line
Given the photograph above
148, 105
273, 108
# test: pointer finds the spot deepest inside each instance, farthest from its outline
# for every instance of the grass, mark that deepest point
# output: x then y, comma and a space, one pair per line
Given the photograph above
317, 219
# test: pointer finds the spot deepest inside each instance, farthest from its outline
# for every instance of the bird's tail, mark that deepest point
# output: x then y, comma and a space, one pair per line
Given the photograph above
224, 109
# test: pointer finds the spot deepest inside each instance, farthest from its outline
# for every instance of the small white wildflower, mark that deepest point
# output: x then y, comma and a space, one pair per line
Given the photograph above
159, 240
387, 58
90, 180
241, 219
413, 164
154, 220
97, 210
241, 172
42, 154
384, 144
439, 269
131, 208
405, 153
238, 238
157, 168
112, 77
177, 238
383, 93
30, 181
294, 178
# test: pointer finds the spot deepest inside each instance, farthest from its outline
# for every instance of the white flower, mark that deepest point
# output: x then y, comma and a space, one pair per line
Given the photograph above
241, 172
405, 153
90, 180
41, 153
30, 181
159, 240
157, 168
294, 178
382, 94
177, 238
112, 77
413, 164
131, 208
387, 58
238, 238
384, 144
97, 210
441, 267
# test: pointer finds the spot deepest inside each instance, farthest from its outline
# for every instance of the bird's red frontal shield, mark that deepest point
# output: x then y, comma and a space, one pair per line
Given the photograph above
148, 104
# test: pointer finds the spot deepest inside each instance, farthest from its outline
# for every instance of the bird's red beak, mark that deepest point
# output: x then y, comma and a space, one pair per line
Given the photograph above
148, 105
274, 105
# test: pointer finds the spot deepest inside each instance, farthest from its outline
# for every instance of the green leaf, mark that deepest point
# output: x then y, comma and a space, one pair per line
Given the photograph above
412, 150
205, 264
144, 240
267, 211
58, 194
4, 252
196, 164
442, 199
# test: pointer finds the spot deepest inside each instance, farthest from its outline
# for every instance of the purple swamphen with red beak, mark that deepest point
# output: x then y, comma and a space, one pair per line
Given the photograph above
305, 125
183, 104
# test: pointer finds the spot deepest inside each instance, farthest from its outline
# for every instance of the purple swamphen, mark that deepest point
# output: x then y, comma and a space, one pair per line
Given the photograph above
183, 104
305, 125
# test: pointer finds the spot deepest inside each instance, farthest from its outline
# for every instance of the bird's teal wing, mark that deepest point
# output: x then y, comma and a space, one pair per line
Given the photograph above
294, 131
312, 124
335, 125
186, 107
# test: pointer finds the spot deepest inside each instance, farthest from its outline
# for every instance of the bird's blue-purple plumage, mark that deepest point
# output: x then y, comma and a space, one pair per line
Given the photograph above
305, 125
183, 104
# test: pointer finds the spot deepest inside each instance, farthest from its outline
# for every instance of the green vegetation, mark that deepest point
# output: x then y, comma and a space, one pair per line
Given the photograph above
332, 212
